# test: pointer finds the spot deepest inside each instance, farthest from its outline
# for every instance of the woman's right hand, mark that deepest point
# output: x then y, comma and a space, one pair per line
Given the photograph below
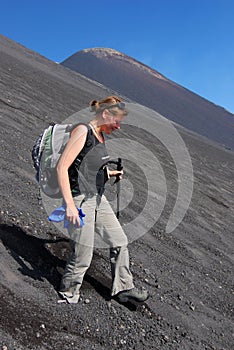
72, 214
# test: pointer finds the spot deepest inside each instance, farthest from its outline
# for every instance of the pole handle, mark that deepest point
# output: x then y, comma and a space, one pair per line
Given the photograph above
119, 168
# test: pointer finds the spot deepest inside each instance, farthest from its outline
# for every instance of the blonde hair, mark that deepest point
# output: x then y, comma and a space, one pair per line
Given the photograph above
113, 103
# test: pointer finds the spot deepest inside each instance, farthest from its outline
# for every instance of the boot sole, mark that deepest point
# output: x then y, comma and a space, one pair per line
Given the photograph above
126, 299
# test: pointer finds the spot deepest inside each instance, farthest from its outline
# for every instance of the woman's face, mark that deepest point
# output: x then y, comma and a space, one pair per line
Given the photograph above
111, 122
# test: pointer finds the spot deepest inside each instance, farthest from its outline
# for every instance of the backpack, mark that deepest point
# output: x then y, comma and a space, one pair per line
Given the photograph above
45, 155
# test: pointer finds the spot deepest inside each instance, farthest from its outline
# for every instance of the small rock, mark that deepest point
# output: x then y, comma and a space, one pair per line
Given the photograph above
87, 301
192, 307
4, 347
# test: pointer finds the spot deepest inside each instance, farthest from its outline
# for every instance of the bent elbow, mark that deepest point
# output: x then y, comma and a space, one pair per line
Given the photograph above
61, 170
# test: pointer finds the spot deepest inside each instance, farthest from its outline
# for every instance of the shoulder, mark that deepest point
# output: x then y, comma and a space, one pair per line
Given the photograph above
80, 129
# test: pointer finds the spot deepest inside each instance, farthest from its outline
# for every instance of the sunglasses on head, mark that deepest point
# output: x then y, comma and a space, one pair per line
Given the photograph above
120, 105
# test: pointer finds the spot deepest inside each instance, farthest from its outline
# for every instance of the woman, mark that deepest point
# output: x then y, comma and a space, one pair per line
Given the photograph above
82, 172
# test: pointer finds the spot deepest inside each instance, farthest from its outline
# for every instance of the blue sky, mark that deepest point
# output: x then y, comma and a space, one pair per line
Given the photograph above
189, 41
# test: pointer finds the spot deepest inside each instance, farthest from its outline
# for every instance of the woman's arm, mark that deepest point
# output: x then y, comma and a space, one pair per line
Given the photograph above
72, 149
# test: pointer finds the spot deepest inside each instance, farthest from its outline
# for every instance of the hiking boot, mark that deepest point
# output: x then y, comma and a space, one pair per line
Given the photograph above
133, 294
69, 297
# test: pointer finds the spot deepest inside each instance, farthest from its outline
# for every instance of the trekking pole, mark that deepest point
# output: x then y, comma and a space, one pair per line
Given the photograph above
117, 181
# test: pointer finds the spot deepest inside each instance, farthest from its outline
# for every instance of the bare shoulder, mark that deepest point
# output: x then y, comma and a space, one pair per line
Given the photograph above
80, 130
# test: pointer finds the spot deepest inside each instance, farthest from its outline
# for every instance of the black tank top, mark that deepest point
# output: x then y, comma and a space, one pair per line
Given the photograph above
88, 172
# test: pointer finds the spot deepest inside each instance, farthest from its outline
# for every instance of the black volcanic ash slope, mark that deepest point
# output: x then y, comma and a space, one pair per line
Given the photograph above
189, 273
148, 87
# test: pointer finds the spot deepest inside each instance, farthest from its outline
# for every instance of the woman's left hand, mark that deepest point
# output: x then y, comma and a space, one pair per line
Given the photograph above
118, 173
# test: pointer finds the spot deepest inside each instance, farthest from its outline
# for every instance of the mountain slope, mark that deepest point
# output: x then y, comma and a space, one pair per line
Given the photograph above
148, 87
188, 273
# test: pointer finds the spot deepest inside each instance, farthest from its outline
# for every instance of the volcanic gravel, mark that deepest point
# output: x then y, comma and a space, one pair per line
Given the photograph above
189, 272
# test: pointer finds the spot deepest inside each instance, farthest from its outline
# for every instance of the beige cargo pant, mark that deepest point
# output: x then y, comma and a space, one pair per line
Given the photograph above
101, 230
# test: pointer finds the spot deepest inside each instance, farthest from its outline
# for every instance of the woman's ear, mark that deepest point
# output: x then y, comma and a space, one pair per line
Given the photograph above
105, 114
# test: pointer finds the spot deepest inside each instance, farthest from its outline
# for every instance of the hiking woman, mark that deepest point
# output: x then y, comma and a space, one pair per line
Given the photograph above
82, 172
